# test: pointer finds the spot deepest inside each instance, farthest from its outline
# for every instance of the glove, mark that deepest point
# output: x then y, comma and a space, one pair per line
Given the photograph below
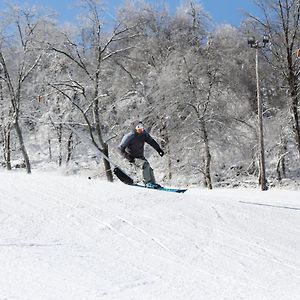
161, 152
131, 160
129, 157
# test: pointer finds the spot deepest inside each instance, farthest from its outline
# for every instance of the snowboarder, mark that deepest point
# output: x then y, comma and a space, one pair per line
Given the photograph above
132, 148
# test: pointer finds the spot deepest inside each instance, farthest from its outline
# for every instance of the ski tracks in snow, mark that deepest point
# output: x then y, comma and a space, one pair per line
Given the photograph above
116, 242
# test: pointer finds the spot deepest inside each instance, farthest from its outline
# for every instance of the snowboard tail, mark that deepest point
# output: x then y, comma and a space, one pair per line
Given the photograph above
123, 176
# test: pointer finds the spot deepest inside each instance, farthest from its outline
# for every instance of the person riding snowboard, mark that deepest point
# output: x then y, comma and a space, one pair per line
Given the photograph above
132, 148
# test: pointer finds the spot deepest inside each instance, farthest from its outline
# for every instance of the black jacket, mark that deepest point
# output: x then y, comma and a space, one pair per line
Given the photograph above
132, 144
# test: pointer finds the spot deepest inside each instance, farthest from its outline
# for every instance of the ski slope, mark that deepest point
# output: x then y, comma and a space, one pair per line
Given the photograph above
72, 238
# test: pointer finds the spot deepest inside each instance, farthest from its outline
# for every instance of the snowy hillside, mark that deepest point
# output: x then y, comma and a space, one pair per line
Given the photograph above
72, 238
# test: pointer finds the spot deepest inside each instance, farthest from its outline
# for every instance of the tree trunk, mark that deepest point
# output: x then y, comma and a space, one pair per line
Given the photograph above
49, 149
207, 175
281, 165
108, 171
59, 137
166, 146
280, 168
104, 146
207, 167
296, 126
69, 147
6, 147
22, 146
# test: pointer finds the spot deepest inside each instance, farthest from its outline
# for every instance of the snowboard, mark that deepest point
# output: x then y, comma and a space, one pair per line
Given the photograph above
162, 188
129, 181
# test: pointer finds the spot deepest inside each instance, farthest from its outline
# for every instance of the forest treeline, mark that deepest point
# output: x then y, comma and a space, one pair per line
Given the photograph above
192, 83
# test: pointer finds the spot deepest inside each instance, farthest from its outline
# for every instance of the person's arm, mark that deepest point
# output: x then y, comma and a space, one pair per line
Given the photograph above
123, 145
152, 142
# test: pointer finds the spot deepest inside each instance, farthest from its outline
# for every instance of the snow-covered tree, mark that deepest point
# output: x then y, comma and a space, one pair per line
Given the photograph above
19, 57
90, 52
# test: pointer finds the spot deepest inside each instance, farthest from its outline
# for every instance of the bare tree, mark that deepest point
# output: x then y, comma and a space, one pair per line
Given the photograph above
5, 127
18, 59
202, 95
199, 80
90, 56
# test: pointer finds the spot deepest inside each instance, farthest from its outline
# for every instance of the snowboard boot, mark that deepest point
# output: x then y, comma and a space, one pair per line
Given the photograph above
152, 185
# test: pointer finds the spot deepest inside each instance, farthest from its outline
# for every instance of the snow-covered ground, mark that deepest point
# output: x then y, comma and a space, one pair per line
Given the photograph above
67, 237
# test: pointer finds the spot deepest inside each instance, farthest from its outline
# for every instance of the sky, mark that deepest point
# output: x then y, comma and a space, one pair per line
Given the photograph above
222, 11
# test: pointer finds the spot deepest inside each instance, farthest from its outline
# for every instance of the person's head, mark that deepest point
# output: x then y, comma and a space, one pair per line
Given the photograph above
139, 128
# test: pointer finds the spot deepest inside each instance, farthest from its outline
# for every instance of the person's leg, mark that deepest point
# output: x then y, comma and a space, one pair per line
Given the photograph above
148, 174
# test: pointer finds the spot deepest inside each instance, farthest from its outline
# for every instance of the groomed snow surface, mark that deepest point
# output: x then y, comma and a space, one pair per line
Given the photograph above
67, 237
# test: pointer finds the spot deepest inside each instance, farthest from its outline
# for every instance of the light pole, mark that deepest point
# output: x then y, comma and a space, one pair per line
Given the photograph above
262, 167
